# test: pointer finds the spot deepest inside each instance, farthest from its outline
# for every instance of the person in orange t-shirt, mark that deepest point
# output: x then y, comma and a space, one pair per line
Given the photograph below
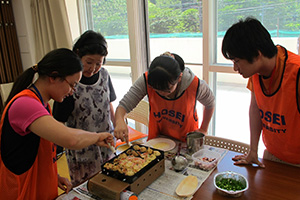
274, 75
173, 91
29, 134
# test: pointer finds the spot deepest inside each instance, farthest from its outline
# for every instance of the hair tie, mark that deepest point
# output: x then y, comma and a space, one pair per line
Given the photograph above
167, 53
35, 67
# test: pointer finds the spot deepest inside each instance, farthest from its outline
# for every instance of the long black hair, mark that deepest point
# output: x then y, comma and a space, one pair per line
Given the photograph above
245, 38
57, 63
165, 70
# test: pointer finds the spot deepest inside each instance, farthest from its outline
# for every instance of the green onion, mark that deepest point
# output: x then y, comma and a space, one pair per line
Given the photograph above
230, 184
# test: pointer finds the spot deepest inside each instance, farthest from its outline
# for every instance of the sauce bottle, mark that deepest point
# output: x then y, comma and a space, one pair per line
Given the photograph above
128, 195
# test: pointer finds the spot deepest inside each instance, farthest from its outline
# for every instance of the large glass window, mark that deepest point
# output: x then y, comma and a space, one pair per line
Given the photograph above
280, 17
121, 80
109, 17
176, 26
232, 106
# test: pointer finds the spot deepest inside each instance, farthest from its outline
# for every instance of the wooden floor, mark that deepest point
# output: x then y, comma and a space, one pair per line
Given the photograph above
62, 168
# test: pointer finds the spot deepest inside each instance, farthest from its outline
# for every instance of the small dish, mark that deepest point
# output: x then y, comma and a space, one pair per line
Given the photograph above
237, 178
163, 144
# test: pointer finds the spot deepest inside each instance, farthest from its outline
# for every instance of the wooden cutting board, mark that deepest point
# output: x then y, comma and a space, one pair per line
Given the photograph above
187, 187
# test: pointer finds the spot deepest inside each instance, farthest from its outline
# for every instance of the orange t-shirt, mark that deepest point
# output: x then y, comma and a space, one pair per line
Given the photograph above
40, 180
173, 117
279, 110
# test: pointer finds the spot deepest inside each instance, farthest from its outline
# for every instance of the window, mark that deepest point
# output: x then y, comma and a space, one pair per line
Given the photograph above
109, 17
194, 29
281, 18
176, 26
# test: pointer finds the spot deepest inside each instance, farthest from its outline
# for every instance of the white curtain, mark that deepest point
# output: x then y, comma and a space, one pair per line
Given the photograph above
51, 26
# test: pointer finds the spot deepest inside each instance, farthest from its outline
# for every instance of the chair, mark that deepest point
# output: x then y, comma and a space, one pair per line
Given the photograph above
5, 89
140, 114
224, 143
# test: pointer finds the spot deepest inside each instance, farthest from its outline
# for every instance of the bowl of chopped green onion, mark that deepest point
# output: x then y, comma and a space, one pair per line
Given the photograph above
230, 183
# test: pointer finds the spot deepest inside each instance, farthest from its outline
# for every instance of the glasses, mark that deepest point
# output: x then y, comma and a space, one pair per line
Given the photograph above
72, 86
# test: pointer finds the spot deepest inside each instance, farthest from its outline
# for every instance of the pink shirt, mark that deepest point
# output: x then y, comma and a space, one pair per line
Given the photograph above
23, 112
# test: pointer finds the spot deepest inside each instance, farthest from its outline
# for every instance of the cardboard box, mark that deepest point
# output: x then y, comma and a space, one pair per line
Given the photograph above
106, 187
110, 188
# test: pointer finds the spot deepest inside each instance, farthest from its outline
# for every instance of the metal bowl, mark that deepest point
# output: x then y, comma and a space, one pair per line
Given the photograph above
231, 175
179, 163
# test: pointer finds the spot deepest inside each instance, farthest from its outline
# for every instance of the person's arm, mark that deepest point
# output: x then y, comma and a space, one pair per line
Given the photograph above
50, 129
255, 132
64, 183
206, 97
112, 114
130, 100
121, 129
112, 93
112, 97
255, 124
207, 115
135, 94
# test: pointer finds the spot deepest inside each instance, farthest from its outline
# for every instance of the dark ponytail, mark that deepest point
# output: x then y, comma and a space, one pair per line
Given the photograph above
57, 63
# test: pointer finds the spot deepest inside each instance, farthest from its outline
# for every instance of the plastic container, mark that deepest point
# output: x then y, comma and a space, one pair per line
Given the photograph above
231, 175
205, 159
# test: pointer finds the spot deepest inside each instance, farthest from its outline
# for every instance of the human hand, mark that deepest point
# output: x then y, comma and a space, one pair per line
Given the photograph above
64, 184
247, 159
121, 131
104, 139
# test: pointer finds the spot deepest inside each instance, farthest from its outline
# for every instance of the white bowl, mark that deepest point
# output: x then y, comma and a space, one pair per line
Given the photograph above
232, 175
